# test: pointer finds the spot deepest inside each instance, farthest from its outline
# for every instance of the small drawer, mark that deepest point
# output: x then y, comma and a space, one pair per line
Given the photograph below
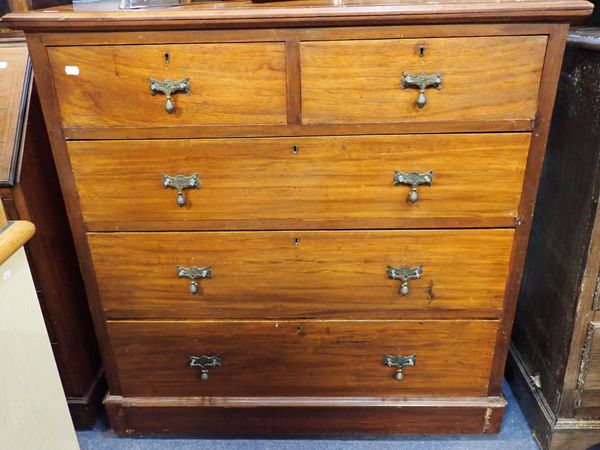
465, 79
304, 358
217, 84
310, 274
341, 182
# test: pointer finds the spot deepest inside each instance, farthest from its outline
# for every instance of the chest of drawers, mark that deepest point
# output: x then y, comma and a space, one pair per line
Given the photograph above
304, 218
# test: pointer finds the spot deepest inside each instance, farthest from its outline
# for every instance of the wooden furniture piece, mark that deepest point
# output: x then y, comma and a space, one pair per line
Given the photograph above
29, 190
15, 85
34, 412
301, 218
555, 360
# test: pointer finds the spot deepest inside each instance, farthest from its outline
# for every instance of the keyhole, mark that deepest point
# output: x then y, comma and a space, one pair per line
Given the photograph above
295, 149
421, 50
167, 58
296, 241
299, 329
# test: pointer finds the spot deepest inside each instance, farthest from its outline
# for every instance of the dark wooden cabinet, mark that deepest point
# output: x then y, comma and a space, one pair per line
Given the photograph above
555, 353
34, 195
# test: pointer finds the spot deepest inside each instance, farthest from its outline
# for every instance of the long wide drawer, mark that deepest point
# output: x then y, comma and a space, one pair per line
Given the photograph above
374, 81
217, 84
338, 182
309, 274
303, 358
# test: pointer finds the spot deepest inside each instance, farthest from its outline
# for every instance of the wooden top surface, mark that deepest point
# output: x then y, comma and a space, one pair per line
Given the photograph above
243, 13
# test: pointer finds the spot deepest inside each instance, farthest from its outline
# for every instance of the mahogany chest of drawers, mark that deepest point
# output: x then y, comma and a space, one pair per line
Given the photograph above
302, 218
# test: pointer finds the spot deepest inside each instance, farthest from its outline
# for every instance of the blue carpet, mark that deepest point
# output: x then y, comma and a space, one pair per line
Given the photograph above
515, 435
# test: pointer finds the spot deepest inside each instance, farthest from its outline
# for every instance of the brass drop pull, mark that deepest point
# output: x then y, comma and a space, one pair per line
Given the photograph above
193, 274
169, 87
399, 362
203, 363
422, 81
405, 274
179, 183
413, 179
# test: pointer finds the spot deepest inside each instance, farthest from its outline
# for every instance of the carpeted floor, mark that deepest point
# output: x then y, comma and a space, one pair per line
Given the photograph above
515, 435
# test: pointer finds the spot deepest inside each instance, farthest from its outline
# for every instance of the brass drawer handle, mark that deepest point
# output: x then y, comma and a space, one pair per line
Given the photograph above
399, 362
169, 87
179, 183
422, 81
203, 363
193, 274
405, 274
413, 179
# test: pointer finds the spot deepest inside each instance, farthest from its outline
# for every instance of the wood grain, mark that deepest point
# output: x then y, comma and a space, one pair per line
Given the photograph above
587, 305
360, 81
3, 221
136, 272
303, 358
325, 274
13, 67
345, 182
551, 431
59, 38
39, 58
587, 393
292, 35
228, 82
241, 14
547, 94
37, 197
347, 417
289, 130
19, 5
294, 96
562, 262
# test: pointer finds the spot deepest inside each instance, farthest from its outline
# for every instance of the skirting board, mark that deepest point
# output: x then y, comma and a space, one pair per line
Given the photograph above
276, 416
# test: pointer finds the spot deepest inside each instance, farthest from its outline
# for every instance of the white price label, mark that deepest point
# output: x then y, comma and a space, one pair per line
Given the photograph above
72, 70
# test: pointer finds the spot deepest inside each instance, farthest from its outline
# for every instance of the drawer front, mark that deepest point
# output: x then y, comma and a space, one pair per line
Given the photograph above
344, 182
229, 84
483, 78
303, 358
310, 274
